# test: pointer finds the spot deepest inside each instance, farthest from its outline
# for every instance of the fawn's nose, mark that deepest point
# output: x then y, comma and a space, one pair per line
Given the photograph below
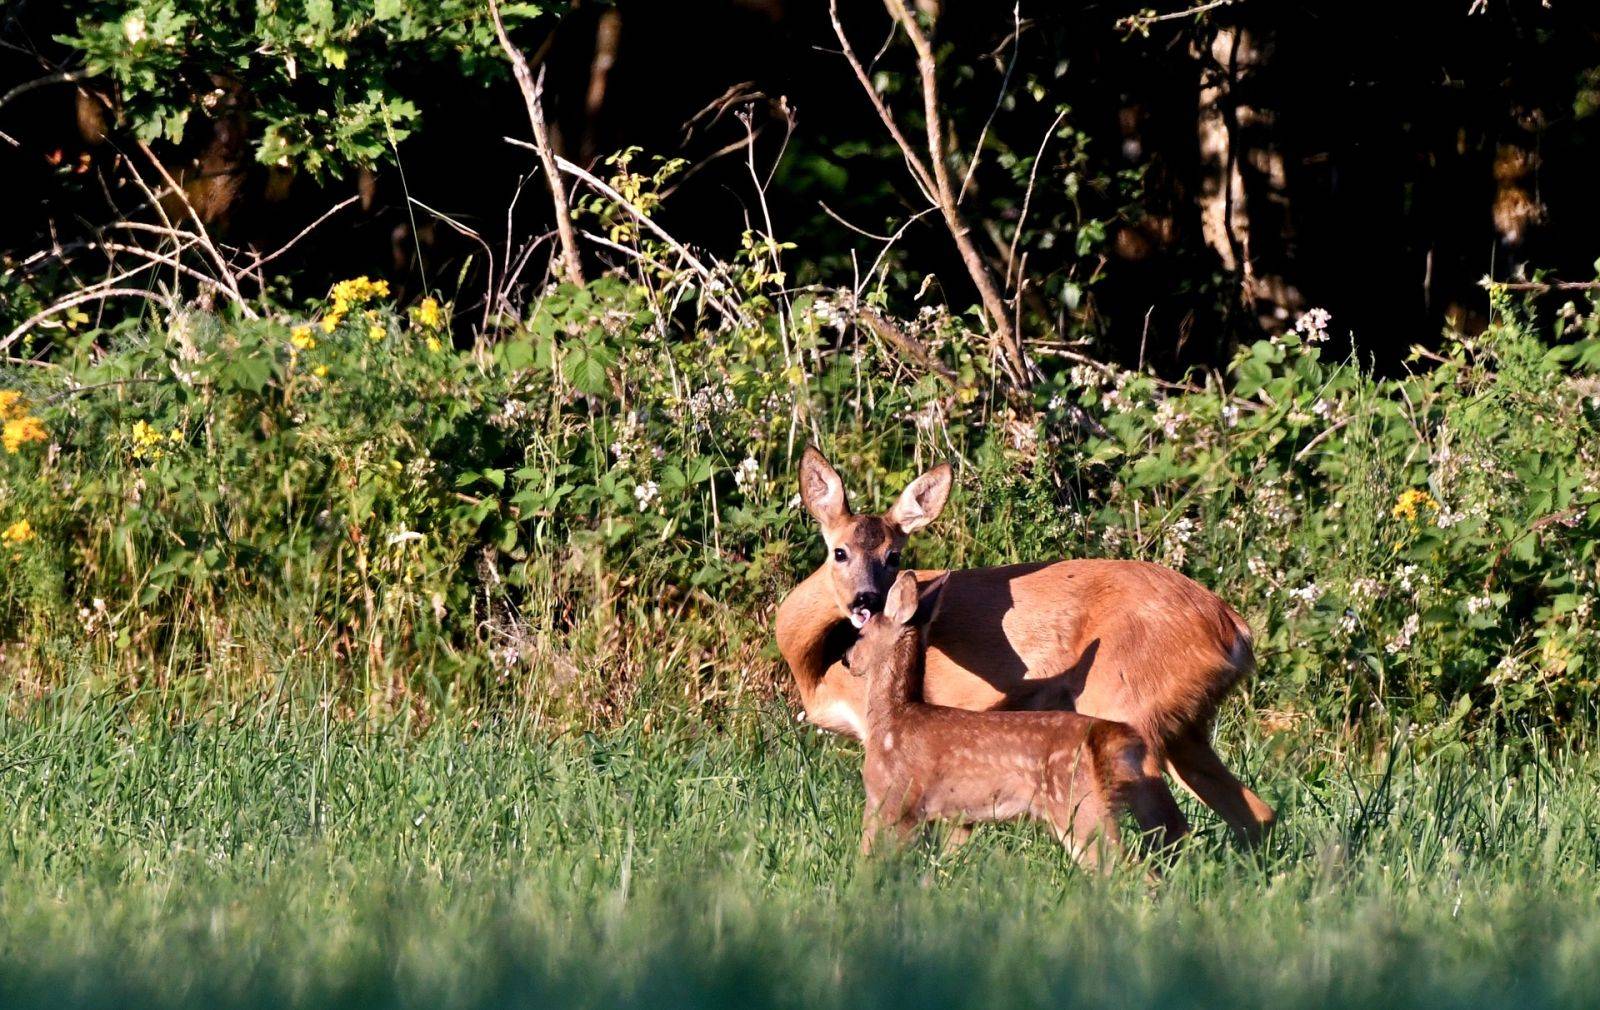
868, 601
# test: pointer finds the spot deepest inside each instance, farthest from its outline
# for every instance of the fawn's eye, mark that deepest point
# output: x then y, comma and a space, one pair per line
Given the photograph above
839, 554
892, 559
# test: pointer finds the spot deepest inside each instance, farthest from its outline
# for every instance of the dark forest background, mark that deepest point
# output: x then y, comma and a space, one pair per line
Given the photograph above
1209, 174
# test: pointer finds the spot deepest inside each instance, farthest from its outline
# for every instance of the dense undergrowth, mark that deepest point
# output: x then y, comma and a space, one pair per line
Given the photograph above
594, 504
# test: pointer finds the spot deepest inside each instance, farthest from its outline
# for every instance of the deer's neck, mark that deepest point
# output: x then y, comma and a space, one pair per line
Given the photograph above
808, 632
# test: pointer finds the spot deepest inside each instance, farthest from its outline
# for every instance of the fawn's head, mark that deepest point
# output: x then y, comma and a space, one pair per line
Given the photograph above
864, 550
889, 641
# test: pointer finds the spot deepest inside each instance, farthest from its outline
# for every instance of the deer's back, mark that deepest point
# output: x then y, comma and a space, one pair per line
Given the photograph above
1121, 640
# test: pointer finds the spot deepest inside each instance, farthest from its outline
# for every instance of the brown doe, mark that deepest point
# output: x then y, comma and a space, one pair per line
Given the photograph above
928, 762
1126, 641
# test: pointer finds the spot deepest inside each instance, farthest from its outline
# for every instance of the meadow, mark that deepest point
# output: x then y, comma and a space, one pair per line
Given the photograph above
279, 856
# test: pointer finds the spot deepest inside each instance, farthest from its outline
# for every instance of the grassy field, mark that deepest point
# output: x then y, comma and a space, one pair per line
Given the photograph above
256, 858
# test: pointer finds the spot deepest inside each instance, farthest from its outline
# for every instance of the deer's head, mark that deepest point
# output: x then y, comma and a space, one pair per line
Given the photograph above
888, 641
864, 550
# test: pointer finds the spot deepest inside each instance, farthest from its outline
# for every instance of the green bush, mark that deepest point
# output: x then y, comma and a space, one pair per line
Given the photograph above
599, 501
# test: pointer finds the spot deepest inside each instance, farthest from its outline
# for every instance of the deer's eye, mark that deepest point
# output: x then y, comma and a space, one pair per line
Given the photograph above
839, 554
892, 559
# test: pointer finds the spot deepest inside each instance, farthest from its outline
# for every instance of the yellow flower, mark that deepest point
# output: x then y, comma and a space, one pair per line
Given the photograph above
19, 532
433, 344
175, 436
320, 371
427, 314
301, 339
331, 321
1406, 506
12, 404
356, 291
376, 332
21, 430
146, 440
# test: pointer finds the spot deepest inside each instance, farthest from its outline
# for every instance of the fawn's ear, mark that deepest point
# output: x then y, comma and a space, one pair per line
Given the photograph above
821, 489
922, 500
901, 605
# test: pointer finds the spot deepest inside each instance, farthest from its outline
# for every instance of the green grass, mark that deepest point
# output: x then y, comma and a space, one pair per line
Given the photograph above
261, 859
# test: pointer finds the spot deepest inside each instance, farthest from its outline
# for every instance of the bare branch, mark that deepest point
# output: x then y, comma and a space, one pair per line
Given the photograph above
1540, 287
1142, 21
532, 94
64, 77
1013, 356
230, 283
712, 282
891, 333
255, 267
94, 294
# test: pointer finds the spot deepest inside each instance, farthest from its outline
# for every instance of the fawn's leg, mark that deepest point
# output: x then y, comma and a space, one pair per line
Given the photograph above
955, 837
1197, 766
886, 820
1088, 828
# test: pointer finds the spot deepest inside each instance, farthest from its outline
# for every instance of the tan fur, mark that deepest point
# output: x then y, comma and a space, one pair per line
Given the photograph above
928, 762
1125, 641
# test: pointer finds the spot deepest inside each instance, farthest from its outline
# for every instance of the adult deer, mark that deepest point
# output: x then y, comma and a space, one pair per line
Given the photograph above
1127, 641
928, 762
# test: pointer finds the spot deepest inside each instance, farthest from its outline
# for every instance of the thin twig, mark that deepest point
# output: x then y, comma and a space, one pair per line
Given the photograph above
532, 93
712, 282
230, 282
1142, 22
1027, 197
1541, 287
63, 77
91, 295
255, 267
488, 296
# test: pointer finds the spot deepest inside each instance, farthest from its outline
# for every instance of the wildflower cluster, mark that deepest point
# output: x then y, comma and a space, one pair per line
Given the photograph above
352, 294
1410, 503
147, 441
20, 427
429, 317
1313, 325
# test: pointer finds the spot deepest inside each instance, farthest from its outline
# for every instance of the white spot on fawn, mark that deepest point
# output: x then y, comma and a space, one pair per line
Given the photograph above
888, 741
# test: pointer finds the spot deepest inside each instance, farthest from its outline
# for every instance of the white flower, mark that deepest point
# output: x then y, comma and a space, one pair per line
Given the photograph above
1313, 325
133, 28
1402, 641
1305, 596
646, 494
746, 472
1322, 408
1478, 604
1230, 415
1258, 567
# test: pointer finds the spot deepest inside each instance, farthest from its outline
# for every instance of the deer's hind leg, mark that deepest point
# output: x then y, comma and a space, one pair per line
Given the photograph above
1197, 766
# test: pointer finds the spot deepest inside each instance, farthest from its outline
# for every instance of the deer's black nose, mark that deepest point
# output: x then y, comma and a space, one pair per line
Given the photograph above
871, 601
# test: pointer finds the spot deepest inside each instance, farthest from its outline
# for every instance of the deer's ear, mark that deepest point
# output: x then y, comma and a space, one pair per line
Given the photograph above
901, 605
821, 489
922, 500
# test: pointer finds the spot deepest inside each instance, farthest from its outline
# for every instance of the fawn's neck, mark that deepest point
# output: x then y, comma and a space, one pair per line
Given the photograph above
898, 685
